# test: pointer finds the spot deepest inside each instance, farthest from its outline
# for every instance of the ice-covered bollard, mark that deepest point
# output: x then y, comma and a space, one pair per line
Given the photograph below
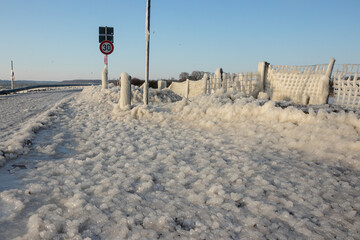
104, 78
161, 85
125, 92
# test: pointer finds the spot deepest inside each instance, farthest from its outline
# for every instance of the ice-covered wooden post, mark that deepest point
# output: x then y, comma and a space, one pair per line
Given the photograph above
204, 79
224, 82
231, 81
161, 85
187, 88
218, 78
212, 83
125, 92
104, 78
262, 69
330, 68
328, 75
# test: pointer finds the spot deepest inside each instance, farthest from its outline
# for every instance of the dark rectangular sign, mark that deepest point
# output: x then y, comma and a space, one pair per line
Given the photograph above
109, 38
110, 30
110, 34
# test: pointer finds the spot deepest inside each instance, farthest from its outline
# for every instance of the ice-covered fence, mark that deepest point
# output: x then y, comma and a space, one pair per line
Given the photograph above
347, 86
247, 83
188, 88
301, 84
179, 88
319, 68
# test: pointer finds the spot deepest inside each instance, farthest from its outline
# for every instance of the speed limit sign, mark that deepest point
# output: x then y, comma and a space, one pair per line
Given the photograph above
106, 47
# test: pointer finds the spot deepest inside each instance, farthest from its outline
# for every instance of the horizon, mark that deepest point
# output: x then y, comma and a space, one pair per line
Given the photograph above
59, 40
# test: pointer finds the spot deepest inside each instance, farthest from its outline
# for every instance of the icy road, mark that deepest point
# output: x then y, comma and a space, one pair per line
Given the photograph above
17, 109
215, 167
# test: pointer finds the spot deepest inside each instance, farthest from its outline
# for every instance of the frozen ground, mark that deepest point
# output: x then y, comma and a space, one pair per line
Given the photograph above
215, 167
19, 110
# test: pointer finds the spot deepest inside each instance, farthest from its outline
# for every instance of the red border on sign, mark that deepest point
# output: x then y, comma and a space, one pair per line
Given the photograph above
112, 45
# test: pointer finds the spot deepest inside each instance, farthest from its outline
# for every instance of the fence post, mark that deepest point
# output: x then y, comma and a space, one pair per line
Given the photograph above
330, 68
204, 79
187, 89
262, 69
218, 78
224, 82
125, 92
328, 75
212, 83
161, 85
104, 78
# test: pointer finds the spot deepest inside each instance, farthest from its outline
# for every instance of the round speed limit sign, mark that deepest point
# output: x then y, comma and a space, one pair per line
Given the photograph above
106, 47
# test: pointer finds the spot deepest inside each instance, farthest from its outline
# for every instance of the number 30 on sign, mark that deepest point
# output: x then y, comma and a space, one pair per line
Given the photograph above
106, 47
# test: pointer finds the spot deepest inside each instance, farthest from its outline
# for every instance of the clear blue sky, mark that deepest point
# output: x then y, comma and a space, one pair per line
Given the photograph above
58, 40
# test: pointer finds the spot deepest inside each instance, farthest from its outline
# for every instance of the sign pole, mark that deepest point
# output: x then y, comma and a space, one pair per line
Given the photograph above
106, 39
147, 37
106, 66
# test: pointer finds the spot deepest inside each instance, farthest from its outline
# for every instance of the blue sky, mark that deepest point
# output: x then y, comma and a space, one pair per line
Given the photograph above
58, 40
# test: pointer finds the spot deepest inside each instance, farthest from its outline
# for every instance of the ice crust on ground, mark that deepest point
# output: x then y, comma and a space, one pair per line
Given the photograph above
213, 167
22, 115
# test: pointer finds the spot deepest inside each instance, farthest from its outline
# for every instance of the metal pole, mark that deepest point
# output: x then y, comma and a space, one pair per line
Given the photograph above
147, 38
105, 84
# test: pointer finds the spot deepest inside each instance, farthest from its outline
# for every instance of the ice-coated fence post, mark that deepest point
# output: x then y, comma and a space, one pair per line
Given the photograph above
204, 79
187, 88
218, 78
104, 78
328, 75
262, 69
161, 85
330, 68
125, 92
212, 84
224, 82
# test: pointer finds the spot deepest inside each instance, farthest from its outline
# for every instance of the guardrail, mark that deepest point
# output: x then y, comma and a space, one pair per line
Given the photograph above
8, 91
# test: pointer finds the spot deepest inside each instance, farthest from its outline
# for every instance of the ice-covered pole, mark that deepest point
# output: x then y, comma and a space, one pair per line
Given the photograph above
12, 75
204, 79
104, 79
218, 78
147, 38
125, 92
330, 67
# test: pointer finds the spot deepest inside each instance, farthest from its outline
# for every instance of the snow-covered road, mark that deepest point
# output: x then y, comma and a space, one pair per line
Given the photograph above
17, 109
216, 167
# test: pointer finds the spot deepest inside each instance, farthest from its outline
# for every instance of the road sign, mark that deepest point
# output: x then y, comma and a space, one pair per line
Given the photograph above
106, 47
106, 34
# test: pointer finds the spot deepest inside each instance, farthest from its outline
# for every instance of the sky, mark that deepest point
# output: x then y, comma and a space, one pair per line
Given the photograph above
52, 40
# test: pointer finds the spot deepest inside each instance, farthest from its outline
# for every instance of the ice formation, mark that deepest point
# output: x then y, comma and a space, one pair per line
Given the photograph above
214, 167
